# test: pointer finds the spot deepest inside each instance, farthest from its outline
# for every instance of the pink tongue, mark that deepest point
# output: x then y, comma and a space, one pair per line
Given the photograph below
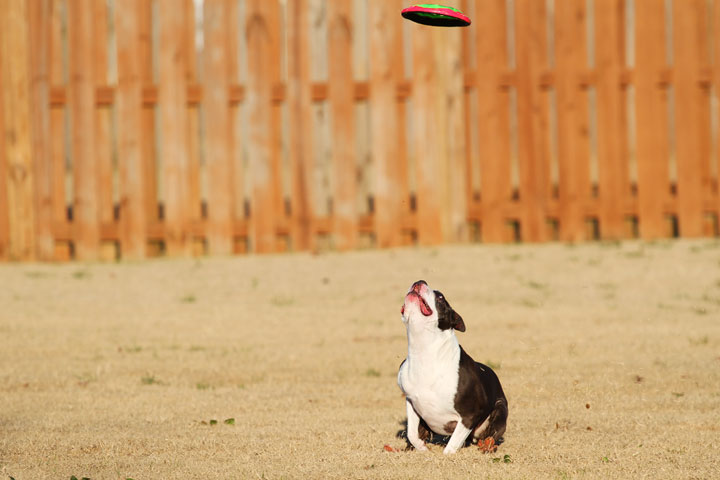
425, 309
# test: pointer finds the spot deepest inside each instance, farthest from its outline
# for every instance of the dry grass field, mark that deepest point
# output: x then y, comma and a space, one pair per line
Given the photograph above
285, 366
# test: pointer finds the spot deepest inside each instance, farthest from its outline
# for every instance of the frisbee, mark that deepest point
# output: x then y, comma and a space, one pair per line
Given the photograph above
436, 15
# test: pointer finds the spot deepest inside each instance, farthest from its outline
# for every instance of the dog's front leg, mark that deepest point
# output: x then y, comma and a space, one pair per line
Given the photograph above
457, 439
413, 421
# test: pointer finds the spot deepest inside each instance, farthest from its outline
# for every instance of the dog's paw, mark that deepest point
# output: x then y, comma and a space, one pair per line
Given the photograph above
449, 451
487, 445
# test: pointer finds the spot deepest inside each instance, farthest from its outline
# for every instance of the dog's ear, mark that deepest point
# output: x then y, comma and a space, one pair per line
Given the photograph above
458, 323
447, 316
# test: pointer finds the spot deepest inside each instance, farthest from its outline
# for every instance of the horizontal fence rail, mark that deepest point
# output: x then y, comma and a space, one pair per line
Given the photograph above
134, 128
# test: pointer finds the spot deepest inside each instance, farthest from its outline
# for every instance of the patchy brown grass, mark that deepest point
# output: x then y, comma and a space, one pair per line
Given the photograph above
609, 355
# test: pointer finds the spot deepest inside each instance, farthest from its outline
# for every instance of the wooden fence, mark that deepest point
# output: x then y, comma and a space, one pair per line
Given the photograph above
132, 128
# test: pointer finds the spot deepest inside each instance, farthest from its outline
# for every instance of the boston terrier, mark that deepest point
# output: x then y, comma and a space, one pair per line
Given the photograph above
446, 391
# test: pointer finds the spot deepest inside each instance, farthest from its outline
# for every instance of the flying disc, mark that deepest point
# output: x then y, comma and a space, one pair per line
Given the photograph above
436, 15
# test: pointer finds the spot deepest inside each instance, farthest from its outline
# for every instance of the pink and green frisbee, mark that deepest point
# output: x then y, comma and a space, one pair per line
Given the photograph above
436, 15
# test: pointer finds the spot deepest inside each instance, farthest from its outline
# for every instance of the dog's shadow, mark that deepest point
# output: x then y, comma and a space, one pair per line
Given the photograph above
430, 437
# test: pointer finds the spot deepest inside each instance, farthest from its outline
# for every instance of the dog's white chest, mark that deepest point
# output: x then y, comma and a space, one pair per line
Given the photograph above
430, 383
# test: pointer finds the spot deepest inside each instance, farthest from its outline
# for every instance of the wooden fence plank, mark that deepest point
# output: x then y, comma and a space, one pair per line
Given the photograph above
58, 130
430, 132
455, 192
103, 143
533, 111
342, 114
385, 130
437, 118
493, 118
194, 194
300, 115
133, 214
81, 94
572, 117
16, 104
39, 27
218, 141
172, 104
261, 31
651, 117
4, 206
692, 129
148, 141
612, 125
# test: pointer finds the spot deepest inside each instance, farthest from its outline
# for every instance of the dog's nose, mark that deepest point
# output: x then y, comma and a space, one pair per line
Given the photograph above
418, 285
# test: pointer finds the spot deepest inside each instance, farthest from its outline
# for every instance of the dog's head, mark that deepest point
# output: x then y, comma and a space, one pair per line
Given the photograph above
429, 308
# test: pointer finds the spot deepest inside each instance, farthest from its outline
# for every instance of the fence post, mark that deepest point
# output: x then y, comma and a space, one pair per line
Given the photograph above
532, 118
651, 118
173, 111
385, 130
613, 170
133, 224
493, 118
692, 117
218, 141
16, 103
342, 114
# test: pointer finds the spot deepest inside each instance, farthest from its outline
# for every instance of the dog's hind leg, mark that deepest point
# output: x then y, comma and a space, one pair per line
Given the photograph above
495, 424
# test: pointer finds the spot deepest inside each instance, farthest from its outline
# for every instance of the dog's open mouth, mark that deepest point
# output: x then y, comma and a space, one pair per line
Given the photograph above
424, 307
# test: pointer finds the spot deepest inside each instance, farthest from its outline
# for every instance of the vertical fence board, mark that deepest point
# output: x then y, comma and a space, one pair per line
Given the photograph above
493, 118
39, 26
218, 141
533, 113
430, 133
300, 116
612, 167
342, 114
437, 100
103, 145
715, 60
651, 118
172, 100
133, 223
58, 133
16, 104
691, 119
455, 194
81, 95
385, 130
148, 139
194, 193
572, 117
4, 206
261, 26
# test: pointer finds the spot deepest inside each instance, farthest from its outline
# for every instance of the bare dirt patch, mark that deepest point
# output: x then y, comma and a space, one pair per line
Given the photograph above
285, 366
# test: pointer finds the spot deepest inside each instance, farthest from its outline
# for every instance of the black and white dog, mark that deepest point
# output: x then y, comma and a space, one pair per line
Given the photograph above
446, 391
